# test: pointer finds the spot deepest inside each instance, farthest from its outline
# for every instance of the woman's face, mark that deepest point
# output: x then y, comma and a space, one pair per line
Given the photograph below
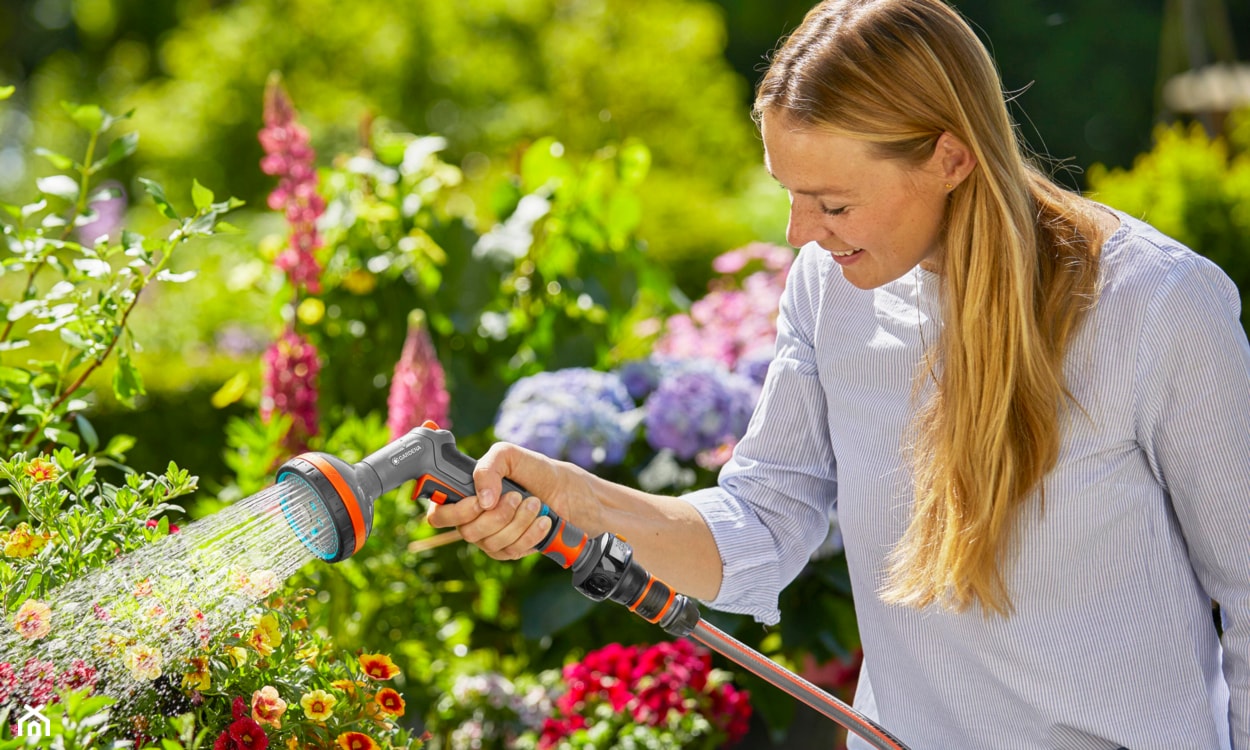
879, 218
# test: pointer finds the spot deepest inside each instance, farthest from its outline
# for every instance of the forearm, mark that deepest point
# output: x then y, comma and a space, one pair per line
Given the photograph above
669, 536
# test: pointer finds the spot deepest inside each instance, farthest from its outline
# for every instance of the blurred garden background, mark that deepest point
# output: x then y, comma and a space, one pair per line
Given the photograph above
545, 221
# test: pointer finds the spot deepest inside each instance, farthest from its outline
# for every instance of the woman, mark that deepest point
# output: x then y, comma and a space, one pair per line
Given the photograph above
1032, 413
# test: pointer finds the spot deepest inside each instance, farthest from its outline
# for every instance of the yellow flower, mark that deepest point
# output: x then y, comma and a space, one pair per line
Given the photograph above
199, 677
308, 654
143, 662
266, 637
110, 644
318, 705
378, 666
238, 655
391, 703
356, 741
33, 620
22, 542
268, 707
42, 470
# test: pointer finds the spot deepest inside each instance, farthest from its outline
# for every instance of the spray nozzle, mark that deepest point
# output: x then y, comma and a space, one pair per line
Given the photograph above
329, 505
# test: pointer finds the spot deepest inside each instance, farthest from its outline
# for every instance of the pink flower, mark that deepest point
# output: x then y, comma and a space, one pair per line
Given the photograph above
418, 389
290, 368
268, 707
290, 158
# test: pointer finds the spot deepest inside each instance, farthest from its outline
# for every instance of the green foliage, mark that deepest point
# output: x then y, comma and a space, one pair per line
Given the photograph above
1193, 188
79, 721
68, 304
68, 522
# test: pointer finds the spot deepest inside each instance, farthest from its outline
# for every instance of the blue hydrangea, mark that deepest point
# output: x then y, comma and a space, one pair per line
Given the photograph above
577, 414
641, 376
698, 405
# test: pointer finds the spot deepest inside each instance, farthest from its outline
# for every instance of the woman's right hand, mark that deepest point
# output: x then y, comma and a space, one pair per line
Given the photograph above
505, 525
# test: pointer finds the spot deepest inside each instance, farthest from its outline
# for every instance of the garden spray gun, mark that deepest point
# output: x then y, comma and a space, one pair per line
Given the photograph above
329, 505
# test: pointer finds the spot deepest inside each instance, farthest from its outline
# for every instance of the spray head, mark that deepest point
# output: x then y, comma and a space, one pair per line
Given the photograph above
328, 503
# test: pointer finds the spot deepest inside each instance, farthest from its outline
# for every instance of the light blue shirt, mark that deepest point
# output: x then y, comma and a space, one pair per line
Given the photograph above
1146, 518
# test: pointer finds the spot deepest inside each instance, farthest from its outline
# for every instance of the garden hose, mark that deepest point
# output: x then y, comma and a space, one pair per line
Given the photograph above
336, 516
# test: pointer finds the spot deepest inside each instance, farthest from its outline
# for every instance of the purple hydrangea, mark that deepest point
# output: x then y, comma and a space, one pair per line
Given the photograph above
640, 377
698, 406
578, 414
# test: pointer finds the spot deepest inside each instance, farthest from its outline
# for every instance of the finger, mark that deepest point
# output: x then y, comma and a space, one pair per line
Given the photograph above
445, 515
501, 526
501, 460
530, 539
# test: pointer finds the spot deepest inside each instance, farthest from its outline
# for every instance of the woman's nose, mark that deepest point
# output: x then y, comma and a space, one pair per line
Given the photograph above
805, 223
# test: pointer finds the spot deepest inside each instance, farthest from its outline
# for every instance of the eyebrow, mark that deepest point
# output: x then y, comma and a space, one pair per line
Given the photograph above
829, 192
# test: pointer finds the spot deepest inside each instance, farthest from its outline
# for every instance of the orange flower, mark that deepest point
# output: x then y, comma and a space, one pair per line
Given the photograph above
42, 470
356, 741
268, 707
33, 620
347, 686
391, 702
378, 666
318, 705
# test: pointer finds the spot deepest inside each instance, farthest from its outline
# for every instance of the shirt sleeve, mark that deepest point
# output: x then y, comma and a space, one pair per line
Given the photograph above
770, 509
1193, 400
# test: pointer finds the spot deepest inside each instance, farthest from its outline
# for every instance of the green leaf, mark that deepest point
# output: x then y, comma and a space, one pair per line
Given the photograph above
157, 192
88, 433
60, 161
89, 117
6, 92
544, 165
201, 196
119, 149
118, 445
634, 161
127, 382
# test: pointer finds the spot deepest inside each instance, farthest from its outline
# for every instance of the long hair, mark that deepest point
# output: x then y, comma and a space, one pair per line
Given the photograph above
1019, 268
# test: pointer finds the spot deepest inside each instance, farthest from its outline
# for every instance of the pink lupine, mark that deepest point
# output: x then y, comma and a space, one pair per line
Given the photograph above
418, 389
290, 368
290, 158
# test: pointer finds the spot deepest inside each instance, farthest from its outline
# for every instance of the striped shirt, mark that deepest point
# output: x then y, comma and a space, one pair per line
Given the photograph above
1146, 520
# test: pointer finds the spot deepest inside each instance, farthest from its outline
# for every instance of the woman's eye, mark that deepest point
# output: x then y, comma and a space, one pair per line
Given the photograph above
833, 211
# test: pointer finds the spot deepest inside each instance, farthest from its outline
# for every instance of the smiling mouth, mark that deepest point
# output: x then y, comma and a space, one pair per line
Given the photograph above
848, 253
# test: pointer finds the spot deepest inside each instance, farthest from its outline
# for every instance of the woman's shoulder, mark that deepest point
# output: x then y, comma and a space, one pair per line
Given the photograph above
1139, 264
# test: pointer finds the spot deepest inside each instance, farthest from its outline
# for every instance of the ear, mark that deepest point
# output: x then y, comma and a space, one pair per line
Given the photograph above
952, 160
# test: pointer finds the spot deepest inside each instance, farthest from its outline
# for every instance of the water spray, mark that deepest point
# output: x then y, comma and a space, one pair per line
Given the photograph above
329, 505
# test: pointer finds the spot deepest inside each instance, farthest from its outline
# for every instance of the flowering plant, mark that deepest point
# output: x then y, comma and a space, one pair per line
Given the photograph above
665, 695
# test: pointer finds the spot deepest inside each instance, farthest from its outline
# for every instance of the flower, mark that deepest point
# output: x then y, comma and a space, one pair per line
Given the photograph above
577, 413
199, 678
418, 388
290, 367
699, 407
243, 733
378, 666
731, 319
347, 686
33, 620
289, 157
79, 675
356, 741
22, 541
390, 701
266, 636
318, 705
42, 470
143, 588
268, 707
144, 662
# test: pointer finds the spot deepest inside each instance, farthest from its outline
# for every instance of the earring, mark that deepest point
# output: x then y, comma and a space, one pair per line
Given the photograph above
949, 187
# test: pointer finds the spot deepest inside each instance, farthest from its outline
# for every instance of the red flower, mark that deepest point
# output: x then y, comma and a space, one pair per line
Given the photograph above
243, 733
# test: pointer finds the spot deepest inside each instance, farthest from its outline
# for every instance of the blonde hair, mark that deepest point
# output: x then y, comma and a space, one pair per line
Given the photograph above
1019, 270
